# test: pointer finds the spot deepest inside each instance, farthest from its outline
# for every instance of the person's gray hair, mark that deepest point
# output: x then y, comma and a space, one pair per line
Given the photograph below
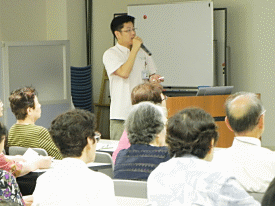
145, 121
243, 110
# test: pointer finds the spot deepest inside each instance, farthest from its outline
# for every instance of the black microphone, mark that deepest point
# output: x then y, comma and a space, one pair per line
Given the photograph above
145, 49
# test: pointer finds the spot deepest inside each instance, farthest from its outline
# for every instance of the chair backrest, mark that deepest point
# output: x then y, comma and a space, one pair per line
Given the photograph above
130, 188
103, 157
16, 150
257, 196
130, 201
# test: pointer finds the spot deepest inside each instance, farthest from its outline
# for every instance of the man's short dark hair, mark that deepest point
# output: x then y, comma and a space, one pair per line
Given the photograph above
190, 132
117, 22
20, 100
70, 131
250, 118
147, 92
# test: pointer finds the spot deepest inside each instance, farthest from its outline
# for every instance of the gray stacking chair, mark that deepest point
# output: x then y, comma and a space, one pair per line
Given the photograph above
130, 188
103, 157
130, 192
16, 150
257, 196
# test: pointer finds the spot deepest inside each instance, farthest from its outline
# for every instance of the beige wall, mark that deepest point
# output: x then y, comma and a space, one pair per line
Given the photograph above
250, 38
251, 35
22, 20
77, 31
56, 16
37, 20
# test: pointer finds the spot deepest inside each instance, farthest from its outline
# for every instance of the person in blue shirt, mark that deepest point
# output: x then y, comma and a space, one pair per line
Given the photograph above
145, 128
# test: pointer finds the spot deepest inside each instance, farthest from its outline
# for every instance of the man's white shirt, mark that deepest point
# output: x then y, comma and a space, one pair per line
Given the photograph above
189, 180
120, 88
252, 165
71, 182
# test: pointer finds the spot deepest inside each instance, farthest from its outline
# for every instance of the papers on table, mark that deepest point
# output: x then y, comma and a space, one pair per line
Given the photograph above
107, 145
30, 154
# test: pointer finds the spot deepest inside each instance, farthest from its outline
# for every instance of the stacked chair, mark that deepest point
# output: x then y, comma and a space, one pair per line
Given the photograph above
81, 88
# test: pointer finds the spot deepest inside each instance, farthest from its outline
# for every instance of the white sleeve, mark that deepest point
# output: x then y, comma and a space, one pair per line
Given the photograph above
36, 193
232, 194
151, 65
106, 190
112, 60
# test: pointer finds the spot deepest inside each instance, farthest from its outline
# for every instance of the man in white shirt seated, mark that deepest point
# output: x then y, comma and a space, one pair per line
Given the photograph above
251, 164
71, 182
189, 178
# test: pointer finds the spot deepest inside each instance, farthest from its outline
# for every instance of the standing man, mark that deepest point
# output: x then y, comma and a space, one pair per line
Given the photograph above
252, 165
127, 66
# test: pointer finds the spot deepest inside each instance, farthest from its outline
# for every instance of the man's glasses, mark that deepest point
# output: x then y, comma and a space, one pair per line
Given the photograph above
97, 136
262, 113
129, 30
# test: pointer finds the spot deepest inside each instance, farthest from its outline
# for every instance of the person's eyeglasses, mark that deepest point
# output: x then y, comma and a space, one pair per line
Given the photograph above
165, 98
262, 113
129, 30
97, 136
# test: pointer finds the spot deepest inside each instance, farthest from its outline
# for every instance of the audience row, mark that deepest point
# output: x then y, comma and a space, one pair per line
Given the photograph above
174, 156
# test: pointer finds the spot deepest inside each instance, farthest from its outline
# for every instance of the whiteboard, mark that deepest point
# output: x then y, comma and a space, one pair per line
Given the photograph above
180, 37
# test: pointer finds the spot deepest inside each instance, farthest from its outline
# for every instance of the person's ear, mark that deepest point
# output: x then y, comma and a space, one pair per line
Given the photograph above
227, 124
117, 34
212, 145
29, 110
90, 141
261, 122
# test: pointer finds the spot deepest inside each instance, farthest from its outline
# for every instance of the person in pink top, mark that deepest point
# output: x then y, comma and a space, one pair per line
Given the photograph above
143, 92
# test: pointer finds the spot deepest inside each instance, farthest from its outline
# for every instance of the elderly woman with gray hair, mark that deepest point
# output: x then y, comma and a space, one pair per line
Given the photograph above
146, 131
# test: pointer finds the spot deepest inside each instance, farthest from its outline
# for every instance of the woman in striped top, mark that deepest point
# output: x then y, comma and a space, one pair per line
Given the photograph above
26, 108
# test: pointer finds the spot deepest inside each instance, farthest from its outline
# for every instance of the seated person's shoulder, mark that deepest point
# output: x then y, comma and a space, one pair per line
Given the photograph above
42, 130
121, 154
100, 178
268, 151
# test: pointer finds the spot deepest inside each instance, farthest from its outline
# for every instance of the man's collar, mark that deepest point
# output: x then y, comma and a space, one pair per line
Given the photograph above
122, 48
247, 140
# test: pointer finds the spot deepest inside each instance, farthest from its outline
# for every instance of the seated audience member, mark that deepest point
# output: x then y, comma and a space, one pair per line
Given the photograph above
145, 127
26, 108
71, 182
189, 178
143, 92
252, 165
269, 196
17, 165
9, 190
